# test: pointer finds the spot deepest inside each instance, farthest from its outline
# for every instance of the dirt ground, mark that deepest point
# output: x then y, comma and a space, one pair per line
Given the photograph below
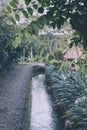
13, 95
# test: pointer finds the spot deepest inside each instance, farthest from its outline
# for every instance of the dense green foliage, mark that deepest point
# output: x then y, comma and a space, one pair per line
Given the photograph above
16, 42
69, 91
58, 11
8, 53
43, 48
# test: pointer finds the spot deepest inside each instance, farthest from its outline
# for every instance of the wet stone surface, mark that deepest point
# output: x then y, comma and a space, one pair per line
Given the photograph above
42, 114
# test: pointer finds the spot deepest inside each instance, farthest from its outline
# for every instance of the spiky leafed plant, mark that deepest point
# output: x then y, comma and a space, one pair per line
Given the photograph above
70, 94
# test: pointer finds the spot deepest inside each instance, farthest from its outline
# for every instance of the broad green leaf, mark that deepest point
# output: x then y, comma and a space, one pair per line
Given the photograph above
27, 2
25, 13
15, 1
35, 6
33, 2
30, 11
8, 8
16, 42
41, 10
41, 22
14, 5
13, 21
46, 3
33, 28
17, 17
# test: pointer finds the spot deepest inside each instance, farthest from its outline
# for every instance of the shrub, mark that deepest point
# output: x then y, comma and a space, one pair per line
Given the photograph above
56, 63
50, 57
58, 55
69, 91
8, 54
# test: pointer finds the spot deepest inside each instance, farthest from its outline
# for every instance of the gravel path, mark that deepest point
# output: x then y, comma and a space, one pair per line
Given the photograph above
13, 95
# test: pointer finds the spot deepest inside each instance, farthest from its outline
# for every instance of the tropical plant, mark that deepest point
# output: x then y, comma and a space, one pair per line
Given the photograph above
8, 53
53, 13
69, 91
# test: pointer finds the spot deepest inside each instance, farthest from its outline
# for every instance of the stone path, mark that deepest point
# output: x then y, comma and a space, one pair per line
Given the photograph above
13, 98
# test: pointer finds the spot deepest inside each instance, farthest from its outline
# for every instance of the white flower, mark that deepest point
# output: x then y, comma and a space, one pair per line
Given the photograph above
80, 100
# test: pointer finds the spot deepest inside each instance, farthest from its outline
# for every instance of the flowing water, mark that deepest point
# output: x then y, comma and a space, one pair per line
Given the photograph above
42, 115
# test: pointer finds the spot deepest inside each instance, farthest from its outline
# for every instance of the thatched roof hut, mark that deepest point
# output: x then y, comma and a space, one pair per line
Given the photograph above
73, 53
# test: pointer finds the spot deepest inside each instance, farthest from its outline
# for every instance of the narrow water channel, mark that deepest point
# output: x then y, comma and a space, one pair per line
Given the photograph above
42, 115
